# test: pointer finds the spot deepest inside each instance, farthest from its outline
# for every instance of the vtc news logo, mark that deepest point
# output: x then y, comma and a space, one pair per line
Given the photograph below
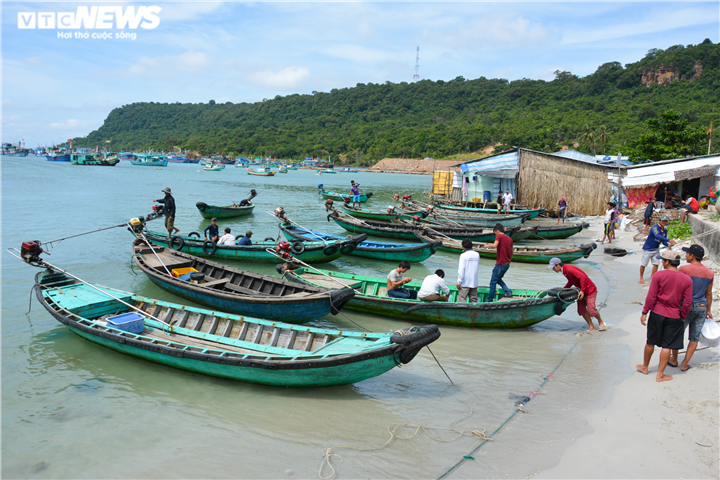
92, 18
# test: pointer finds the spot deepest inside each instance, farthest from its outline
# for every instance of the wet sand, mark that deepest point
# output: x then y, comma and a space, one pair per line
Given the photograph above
648, 429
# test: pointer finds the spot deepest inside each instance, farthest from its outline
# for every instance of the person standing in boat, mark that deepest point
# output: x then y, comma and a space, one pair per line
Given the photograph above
430, 287
211, 232
507, 199
504, 246
355, 192
588, 292
562, 210
395, 281
467, 281
169, 203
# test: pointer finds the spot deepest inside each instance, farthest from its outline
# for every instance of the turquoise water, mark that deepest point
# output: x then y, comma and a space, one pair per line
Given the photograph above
72, 409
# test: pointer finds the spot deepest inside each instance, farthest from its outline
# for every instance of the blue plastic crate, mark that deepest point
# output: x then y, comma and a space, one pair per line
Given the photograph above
128, 322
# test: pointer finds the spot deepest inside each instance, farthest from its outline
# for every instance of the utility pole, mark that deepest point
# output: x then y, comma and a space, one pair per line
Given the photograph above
416, 77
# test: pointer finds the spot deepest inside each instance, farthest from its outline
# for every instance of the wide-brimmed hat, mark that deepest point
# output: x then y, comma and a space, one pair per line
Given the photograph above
167, 190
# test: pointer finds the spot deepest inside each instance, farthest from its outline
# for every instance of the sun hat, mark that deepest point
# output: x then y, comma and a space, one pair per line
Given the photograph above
553, 262
166, 190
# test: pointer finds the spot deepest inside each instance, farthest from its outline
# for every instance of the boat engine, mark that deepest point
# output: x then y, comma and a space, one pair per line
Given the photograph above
158, 211
280, 213
283, 249
137, 224
30, 251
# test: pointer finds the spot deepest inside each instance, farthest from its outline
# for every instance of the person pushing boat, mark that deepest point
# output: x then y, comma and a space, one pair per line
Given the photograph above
588, 292
169, 203
504, 246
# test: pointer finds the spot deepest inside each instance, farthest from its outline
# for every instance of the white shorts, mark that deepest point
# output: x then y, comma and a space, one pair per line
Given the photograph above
650, 256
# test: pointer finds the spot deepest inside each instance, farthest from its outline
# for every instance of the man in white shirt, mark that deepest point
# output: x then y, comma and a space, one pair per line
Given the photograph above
467, 281
430, 286
227, 239
507, 198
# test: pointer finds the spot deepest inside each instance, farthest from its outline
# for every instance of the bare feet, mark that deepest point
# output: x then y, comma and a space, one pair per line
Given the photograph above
663, 378
642, 369
641, 281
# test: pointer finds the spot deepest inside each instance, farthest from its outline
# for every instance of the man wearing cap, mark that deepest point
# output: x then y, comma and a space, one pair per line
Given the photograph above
169, 203
227, 239
246, 239
588, 292
702, 280
669, 300
657, 236
211, 232
649, 210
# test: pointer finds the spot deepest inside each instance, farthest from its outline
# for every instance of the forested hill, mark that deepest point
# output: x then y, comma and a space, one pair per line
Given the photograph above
435, 119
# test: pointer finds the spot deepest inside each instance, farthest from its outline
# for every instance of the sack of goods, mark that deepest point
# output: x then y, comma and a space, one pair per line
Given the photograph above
710, 333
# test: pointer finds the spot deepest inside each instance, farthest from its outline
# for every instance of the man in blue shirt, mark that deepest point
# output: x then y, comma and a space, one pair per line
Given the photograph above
246, 239
657, 236
211, 232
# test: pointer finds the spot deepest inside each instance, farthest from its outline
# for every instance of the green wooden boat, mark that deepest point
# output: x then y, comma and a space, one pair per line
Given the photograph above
224, 345
385, 216
392, 230
559, 231
308, 252
534, 212
521, 253
213, 211
364, 197
525, 308
394, 252
93, 159
524, 232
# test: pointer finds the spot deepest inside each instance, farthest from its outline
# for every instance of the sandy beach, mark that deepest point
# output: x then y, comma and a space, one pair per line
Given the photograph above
648, 429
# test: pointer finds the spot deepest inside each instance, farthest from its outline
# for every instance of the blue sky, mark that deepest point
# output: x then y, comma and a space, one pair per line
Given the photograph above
57, 88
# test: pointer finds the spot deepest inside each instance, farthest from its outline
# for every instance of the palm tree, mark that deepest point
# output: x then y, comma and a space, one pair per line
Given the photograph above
587, 136
602, 135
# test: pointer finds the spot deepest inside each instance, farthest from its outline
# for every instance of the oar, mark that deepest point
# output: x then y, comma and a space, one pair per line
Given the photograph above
295, 223
147, 242
49, 265
294, 259
84, 233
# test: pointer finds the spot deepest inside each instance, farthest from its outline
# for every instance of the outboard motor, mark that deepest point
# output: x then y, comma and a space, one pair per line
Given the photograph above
30, 251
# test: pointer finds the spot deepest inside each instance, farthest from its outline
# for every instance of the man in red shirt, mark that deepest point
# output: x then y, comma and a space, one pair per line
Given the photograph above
691, 205
588, 292
669, 300
504, 245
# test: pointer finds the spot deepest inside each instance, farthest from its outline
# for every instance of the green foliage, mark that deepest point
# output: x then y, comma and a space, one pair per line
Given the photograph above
677, 230
669, 137
370, 121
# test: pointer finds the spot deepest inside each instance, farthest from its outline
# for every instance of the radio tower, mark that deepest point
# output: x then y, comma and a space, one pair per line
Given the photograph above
416, 77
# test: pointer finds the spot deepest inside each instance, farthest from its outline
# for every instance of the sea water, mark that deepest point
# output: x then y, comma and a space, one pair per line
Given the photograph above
73, 409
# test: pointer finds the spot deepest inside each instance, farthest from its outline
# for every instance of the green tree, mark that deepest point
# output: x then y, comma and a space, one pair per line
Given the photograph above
668, 137
602, 136
588, 137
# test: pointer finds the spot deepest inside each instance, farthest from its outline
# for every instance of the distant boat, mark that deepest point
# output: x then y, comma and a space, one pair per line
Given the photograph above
93, 159
262, 171
126, 155
178, 158
348, 170
150, 160
210, 167
58, 156
282, 170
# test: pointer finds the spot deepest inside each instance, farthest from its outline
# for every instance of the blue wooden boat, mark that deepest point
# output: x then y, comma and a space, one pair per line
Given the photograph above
149, 160
234, 290
395, 252
58, 157
308, 252
221, 344
526, 307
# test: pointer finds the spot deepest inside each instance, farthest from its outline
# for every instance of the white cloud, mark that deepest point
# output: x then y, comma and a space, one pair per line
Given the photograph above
168, 65
286, 78
34, 61
73, 124
187, 10
357, 53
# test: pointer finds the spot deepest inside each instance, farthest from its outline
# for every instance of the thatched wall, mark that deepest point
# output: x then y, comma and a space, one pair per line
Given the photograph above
543, 179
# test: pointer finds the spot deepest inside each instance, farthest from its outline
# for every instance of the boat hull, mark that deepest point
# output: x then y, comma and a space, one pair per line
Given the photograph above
534, 213
213, 211
364, 197
559, 232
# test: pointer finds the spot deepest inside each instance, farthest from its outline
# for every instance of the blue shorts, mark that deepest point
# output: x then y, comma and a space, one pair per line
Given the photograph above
356, 198
695, 321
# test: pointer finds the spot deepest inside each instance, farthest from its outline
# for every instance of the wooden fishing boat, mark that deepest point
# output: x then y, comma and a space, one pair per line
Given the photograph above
394, 230
58, 157
282, 170
224, 345
233, 290
292, 168
149, 160
559, 231
385, 216
521, 253
308, 252
262, 172
364, 197
524, 232
525, 308
395, 252
534, 212
213, 167
470, 218
93, 159
213, 211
